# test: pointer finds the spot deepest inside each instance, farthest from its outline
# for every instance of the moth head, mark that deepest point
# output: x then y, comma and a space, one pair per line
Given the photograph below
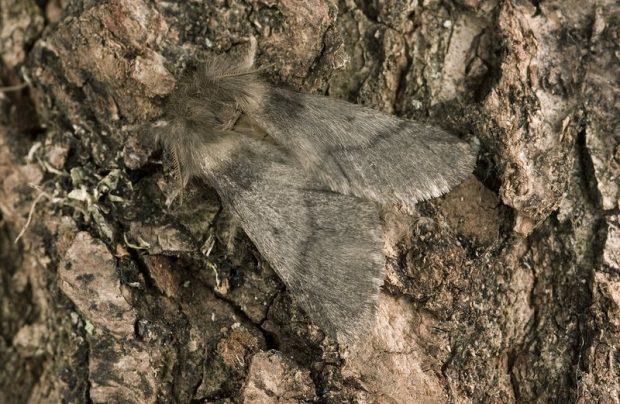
206, 103
214, 92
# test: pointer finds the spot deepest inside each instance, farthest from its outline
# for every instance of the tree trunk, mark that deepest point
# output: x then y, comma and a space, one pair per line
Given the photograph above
507, 289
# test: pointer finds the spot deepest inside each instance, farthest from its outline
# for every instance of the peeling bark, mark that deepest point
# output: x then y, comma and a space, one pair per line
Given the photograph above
505, 290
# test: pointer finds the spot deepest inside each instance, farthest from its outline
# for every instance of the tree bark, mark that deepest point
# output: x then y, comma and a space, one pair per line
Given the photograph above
507, 289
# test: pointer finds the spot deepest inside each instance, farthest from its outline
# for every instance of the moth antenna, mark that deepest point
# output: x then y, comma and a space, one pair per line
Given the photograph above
237, 74
176, 168
248, 61
222, 67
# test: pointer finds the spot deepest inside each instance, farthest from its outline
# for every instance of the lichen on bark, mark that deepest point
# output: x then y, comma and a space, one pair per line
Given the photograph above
506, 289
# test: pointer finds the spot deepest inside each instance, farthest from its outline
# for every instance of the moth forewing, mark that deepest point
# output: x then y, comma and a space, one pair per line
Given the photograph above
358, 150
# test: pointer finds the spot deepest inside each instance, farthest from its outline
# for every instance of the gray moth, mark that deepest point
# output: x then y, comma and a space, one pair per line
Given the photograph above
303, 174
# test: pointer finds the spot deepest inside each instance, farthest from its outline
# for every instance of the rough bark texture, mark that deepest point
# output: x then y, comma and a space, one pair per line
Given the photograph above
505, 290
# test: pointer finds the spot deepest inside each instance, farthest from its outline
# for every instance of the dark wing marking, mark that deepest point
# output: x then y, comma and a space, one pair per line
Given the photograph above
360, 151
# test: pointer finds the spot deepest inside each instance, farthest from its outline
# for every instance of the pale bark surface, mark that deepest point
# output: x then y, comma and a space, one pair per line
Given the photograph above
505, 290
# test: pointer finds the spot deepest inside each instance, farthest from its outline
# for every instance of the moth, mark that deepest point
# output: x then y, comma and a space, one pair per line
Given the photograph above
303, 174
